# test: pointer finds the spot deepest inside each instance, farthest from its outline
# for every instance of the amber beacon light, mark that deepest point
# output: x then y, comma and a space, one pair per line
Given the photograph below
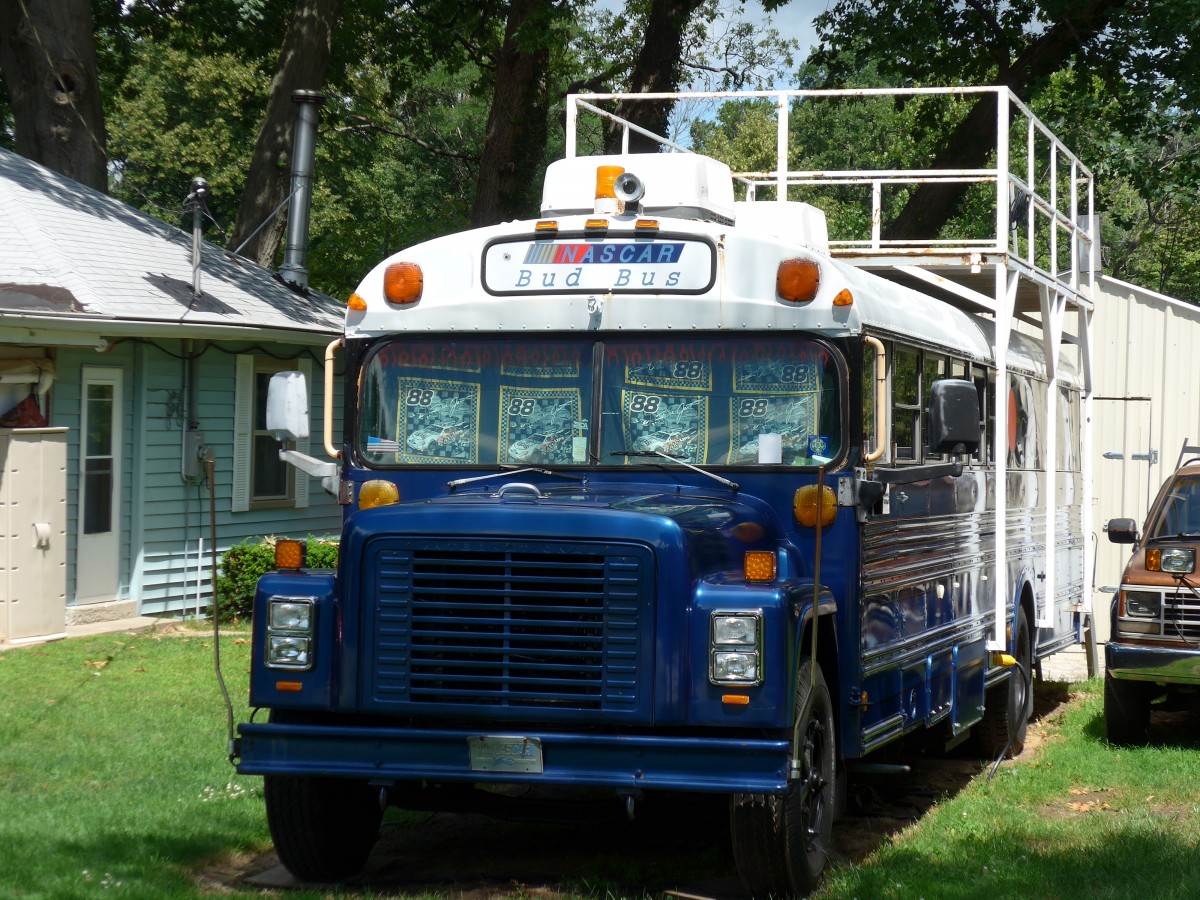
606, 177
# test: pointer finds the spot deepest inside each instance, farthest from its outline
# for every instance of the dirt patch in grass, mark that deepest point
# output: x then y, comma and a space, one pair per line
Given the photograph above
675, 845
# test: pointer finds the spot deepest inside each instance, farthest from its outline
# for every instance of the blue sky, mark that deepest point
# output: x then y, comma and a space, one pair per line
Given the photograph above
794, 19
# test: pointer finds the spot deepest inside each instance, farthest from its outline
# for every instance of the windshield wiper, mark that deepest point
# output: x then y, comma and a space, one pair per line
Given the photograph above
732, 485
1179, 536
513, 470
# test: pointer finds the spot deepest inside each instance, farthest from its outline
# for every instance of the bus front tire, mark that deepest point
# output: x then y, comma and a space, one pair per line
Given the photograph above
323, 828
781, 842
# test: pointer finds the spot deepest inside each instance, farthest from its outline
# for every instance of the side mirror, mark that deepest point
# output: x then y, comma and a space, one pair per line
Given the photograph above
287, 406
953, 416
1122, 531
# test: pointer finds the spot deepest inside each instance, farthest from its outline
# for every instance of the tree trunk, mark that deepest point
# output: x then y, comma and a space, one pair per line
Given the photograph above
934, 204
657, 70
516, 129
48, 57
303, 61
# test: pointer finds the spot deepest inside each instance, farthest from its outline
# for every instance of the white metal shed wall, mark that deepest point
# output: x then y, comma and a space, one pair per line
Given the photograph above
1147, 345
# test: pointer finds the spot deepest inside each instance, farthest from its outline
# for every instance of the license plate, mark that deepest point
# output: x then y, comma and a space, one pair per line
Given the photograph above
505, 753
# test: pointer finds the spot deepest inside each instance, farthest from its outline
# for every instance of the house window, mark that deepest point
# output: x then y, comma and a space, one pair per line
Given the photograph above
270, 477
97, 458
261, 480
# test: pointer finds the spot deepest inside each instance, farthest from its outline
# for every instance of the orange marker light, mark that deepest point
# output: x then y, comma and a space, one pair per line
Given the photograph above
760, 565
403, 283
293, 687
356, 302
844, 298
735, 699
797, 280
1154, 560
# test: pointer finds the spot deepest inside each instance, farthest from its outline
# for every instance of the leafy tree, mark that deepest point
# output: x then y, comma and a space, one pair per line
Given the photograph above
517, 127
303, 62
1133, 47
1147, 167
177, 115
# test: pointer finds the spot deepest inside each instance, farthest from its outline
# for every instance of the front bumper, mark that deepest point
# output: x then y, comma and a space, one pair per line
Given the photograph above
1165, 665
618, 761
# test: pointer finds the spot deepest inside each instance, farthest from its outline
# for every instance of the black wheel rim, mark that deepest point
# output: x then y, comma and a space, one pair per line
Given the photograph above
813, 782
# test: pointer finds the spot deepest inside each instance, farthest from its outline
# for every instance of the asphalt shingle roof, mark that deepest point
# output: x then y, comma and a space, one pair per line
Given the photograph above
67, 250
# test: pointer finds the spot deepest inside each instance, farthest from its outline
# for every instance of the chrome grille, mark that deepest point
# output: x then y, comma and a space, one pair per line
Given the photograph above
1181, 615
508, 624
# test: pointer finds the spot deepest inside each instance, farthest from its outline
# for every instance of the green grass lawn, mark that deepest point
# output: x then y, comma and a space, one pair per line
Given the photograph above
1077, 819
113, 773
114, 783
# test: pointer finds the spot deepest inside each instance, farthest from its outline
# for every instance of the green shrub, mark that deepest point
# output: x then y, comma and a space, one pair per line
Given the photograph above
243, 564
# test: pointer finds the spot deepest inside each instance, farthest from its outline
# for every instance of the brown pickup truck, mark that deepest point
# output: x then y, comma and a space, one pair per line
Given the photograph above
1154, 644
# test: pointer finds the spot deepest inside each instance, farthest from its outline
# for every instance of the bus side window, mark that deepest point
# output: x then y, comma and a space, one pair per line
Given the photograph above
990, 428
933, 368
906, 402
979, 375
975, 374
869, 399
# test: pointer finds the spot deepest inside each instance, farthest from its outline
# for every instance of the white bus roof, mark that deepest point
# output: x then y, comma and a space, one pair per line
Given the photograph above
710, 263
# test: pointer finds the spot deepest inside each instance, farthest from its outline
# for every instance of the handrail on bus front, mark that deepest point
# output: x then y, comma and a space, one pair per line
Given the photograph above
330, 449
880, 397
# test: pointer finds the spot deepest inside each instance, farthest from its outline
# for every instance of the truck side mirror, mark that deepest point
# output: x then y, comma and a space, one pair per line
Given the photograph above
1122, 531
953, 416
287, 406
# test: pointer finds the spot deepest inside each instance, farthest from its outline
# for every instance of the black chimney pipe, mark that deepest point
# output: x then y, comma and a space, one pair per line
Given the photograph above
295, 248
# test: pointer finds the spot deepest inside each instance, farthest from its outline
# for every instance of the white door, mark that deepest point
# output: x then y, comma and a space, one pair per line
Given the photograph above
97, 561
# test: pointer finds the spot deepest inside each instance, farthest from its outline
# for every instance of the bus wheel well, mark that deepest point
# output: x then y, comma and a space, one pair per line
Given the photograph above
1026, 603
827, 657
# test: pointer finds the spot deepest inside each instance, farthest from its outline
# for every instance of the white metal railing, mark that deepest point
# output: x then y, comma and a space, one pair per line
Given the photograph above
1043, 213
1047, 200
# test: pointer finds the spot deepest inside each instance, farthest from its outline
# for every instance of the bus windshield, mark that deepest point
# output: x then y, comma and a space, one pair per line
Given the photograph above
728, 401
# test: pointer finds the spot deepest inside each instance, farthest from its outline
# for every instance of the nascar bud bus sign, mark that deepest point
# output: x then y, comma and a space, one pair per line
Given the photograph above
680, 266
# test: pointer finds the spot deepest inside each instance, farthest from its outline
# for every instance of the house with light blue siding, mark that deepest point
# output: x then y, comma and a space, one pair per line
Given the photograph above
126, 363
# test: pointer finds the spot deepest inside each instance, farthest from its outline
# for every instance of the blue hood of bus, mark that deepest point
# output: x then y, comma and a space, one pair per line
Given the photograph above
716, 529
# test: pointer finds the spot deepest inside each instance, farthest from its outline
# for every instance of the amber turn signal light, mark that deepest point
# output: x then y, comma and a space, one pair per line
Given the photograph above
289, 554
760, 565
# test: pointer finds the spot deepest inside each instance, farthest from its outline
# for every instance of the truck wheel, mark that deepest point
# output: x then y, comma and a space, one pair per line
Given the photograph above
1008, 705
323, 828
1126, 711
781, 842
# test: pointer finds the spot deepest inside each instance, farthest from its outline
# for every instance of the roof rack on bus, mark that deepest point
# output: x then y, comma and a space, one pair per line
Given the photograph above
1042, 221
1031, 266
